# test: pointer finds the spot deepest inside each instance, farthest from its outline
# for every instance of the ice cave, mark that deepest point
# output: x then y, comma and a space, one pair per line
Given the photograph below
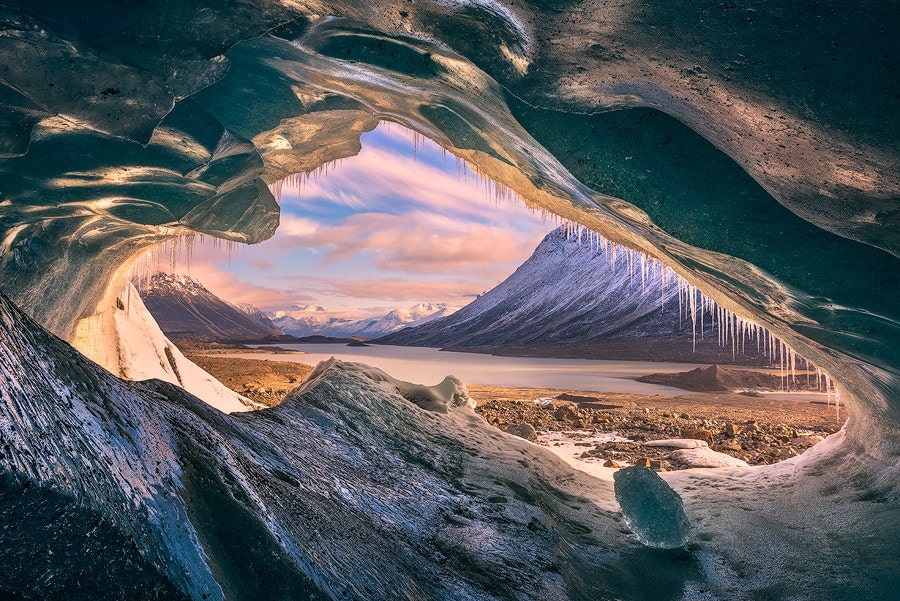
752, 148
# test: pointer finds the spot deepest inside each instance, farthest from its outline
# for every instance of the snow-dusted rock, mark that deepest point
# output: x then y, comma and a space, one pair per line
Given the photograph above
706, 457
677, 443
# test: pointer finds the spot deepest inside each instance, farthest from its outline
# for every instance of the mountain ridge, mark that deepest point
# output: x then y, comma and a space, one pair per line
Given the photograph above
569, 299
314, 320
183, 307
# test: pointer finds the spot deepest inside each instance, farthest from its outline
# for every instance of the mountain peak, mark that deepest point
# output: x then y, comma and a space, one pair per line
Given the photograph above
314, 321
180, 304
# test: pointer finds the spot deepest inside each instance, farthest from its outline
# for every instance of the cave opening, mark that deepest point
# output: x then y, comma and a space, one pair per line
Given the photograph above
604, 351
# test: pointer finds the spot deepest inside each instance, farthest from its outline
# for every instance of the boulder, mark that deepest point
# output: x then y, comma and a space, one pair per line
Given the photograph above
566, 413
525, 431
698, 434
677, 443
706, 457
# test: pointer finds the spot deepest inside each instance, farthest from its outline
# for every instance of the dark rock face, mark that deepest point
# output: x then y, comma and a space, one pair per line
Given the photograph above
183, 307
717, 379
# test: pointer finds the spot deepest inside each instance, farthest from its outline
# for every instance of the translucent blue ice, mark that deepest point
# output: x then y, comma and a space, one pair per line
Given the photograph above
653, 511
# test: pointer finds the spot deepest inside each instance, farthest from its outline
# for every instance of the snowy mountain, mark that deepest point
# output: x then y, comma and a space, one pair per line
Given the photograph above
182, 306
311, 320
568, 300
257, 315
314, 320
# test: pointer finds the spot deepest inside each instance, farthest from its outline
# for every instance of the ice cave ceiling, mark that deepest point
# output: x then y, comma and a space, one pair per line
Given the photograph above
753, 147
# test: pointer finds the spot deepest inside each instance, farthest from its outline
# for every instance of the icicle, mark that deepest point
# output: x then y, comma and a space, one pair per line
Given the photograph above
693, 304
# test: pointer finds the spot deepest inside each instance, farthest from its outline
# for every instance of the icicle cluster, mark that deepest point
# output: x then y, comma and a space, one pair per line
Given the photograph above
296, 181
170, 251
730, 328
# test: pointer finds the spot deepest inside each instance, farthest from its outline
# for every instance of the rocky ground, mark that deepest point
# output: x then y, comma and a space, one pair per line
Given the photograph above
753, 429
263, 381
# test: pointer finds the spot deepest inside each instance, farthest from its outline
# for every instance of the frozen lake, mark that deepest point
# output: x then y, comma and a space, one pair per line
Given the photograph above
431, 365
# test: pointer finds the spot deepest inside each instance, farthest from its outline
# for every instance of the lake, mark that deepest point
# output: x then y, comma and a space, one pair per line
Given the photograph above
430, 366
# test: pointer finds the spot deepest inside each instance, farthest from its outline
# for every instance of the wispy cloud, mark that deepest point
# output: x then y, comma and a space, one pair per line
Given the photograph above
381, 230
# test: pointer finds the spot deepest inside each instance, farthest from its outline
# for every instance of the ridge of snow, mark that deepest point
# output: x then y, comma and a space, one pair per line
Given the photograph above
126, 340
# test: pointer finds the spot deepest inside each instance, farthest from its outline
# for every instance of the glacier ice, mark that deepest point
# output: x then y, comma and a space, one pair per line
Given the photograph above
653, 511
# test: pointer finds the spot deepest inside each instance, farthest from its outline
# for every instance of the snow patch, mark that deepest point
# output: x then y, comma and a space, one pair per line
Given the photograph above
124, 338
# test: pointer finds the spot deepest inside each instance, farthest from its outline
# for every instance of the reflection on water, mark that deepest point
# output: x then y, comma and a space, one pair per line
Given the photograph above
431, 365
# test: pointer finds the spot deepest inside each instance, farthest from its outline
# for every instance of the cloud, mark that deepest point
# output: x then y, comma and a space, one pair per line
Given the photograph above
294, 226
457, 291
231, 288
381, 229
420, 243
385, 180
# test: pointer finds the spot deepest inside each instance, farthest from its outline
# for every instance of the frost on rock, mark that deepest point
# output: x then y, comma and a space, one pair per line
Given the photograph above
443, 397
706, 457
653, 511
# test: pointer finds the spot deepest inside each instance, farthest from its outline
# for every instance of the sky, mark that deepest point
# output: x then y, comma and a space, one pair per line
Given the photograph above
396, 225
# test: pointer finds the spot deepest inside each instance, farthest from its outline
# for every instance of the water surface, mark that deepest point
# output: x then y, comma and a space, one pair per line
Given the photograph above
430, 366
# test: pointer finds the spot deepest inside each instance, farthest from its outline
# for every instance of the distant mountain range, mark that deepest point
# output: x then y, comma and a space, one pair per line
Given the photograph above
183, 307
315, 320
567, 301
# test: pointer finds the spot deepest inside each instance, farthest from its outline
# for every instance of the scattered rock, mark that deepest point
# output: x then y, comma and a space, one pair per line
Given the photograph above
612, 463
645, 462
525, 431
731, 430
760, 438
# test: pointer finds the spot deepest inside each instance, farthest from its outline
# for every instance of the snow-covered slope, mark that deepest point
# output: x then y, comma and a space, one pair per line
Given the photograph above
566, 291
124, 338
182, 305
317, 321
311, 320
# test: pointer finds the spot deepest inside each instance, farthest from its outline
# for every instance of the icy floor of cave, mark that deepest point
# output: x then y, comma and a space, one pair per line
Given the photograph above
570, 445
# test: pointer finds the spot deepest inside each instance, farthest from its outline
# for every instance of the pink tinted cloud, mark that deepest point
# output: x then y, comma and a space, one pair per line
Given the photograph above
455, 292
382, 173
422, 243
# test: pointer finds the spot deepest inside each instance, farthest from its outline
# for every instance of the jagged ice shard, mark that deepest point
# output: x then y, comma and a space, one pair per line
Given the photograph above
752, 149
651, 508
